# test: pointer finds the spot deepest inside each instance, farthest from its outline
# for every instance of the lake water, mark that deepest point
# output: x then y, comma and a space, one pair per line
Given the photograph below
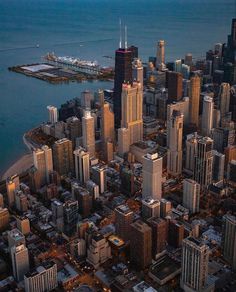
89, 29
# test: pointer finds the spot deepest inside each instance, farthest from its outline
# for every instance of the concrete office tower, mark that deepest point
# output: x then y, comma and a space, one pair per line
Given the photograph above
191, 150
15, 237
12, 185
224, 99
132, 110
1, 201
229, 239
185, 70
107, 131
159, 234
86, 98
20, 261
140, 245
195, 257
99, 177
82, 170
99, 251
123, 73
23, 225
191, 195
53, 115
174, 143
166, 207
43, 163
57, 214
203, 162
175, 86
207, 116
123, 141
4, 218
150, 208
178, 65
88, 133
160, 57
218, 166
41, 279
194, 98
188, 60
182, 106
152, 176
231, 172
137, 68
63, 156
123, 219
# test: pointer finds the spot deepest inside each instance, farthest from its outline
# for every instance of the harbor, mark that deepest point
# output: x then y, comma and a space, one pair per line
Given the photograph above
55, 69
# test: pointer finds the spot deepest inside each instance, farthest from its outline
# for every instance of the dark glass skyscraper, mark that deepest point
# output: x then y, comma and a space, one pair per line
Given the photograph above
123, 73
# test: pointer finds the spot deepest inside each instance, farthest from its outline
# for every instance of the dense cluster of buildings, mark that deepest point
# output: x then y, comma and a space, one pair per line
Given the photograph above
137, 192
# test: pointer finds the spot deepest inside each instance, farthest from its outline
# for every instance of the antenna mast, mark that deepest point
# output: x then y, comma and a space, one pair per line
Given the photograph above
126, 37
120, 44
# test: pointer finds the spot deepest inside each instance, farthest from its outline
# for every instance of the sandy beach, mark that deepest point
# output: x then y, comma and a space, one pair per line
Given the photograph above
21, 165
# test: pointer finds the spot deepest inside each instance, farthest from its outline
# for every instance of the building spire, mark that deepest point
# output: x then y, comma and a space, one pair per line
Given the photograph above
126, 46
120, 44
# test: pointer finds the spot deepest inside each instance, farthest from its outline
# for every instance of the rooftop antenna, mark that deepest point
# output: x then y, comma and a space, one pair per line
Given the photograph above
126, 37
120, 44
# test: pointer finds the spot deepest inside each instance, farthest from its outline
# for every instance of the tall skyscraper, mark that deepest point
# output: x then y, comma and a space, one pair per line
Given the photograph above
191, 150
175, 85
123, 73
43, 163
123, 141
99, 177
224, 99
152, 176
107, 131
53, 115
41, 279
150, 208
195, 257
229, 239
218, 166
63, 156
174, 143
15, 237
123, 218
178, 65
159, 234
12, 185
4, 218
191, 195
132, 110
160, 57
203, 162
140, 244
82, 170
137, 68
88, 133
207, 116
20, 261
194, 98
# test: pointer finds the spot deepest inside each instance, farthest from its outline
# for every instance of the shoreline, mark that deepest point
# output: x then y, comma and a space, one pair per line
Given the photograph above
23, 163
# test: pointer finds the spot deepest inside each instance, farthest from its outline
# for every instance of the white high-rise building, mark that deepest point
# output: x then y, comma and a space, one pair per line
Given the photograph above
82, 165
152, 176
43, 163
207, 116
174, 143
137, 68
195, 257
191, 195
203, 162
178, 65
224, 99
12, 185
88, 133
99, 177
41, 279
160, 57
132, 110
53, 115
20, 261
